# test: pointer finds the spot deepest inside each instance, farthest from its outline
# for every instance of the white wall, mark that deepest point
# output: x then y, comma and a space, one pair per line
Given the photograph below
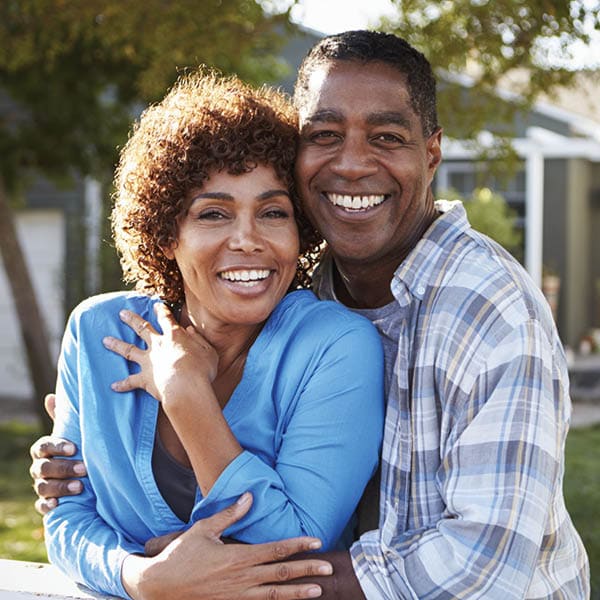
42, 235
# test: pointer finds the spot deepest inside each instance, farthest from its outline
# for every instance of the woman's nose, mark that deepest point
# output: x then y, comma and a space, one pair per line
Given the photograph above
246, 236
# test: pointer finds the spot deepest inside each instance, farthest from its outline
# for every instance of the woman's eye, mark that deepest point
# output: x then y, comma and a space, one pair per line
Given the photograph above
211, 215
276, 213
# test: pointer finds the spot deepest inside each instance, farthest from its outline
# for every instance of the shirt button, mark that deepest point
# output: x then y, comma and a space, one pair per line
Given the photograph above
420, 290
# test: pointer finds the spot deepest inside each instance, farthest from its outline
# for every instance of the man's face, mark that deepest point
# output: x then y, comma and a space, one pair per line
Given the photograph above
364, 166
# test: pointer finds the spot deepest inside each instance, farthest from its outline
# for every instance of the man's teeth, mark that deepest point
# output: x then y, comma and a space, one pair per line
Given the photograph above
356, 202
251, 276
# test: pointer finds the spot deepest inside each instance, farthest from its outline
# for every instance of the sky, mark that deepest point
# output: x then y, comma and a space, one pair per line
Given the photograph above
333, 16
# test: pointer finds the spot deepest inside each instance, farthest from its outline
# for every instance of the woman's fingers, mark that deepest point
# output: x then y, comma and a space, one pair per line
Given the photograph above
142, 327
132, 382
124, 349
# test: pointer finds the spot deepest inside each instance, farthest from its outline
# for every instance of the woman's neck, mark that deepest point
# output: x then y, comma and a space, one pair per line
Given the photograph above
231, 342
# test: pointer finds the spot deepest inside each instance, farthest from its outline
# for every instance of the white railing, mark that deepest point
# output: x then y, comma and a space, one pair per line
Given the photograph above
39, 581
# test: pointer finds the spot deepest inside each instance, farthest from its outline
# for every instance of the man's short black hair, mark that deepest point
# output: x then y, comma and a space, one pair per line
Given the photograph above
368, 46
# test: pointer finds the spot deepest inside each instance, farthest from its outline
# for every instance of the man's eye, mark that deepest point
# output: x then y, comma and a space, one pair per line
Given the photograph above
388, 138
324, 137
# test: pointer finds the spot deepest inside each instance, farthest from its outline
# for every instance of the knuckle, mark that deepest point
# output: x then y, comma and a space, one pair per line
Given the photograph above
283, 572
272, 593
309, 570
279, 551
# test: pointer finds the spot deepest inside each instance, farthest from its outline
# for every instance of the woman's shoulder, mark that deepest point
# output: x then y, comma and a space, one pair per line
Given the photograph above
110, 303
303, 309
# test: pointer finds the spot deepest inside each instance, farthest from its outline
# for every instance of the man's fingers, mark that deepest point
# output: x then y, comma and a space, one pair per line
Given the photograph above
220, 521
45, 505
56, 468
57, 488
156, 545
48, 447
50, 405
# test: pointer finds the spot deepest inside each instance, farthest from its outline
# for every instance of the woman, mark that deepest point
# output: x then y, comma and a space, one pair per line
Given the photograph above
244, 384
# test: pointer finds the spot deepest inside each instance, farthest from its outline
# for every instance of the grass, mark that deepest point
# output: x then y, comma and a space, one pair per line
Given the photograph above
21, 533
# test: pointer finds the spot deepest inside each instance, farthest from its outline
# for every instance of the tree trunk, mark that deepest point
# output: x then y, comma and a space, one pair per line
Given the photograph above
33, 328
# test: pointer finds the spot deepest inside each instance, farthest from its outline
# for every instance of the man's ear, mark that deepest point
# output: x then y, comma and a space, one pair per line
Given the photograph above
434, 151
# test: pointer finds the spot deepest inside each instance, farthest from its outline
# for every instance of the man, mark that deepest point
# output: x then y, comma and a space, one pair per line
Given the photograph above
473, 456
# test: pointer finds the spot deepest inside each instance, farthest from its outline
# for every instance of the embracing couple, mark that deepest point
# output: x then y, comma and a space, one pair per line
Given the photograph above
223, 400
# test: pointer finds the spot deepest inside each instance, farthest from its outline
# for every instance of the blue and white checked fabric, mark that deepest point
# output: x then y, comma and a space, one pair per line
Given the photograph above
478, 409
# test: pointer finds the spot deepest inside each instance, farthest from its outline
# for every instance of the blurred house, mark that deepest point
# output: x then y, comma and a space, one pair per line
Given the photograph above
556, 193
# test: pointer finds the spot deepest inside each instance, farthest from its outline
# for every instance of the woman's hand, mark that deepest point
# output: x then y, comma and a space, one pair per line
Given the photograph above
197, 565
175, 363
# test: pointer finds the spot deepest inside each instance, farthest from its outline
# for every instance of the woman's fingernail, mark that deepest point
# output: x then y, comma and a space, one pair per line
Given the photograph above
325, 570
314, 545
243, 499
123, 314
51, 502
314, 592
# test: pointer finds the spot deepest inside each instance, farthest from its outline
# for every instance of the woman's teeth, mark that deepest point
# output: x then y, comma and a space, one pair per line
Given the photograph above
251, 276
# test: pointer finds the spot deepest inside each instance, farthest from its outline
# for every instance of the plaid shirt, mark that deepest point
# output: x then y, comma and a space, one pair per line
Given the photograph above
471, 501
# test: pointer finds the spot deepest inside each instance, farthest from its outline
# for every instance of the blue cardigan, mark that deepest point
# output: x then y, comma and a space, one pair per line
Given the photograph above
308, 412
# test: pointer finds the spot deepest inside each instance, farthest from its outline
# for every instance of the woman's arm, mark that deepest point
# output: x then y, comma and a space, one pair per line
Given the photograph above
327, 454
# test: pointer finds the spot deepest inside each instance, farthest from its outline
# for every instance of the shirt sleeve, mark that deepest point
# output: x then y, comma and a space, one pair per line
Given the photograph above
329, 450
78, 541
499, 469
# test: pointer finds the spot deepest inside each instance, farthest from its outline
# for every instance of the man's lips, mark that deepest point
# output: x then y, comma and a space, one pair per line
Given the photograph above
355, 202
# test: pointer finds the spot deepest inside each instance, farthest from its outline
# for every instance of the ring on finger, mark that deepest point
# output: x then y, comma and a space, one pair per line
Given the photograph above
142, 327
129, 351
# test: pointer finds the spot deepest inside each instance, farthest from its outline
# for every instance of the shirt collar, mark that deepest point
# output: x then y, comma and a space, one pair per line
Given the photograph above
420, 268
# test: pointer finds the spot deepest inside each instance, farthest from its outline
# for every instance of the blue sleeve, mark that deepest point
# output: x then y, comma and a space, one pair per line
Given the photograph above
329, 450
78, 541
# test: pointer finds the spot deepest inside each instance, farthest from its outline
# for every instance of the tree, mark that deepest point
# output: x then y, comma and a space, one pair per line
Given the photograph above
521, 44
72, 74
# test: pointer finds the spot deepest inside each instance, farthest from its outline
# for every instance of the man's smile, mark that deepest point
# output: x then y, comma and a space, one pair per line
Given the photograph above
355, 202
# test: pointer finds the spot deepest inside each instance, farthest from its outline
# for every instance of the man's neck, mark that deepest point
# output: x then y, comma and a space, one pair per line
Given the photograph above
357, 288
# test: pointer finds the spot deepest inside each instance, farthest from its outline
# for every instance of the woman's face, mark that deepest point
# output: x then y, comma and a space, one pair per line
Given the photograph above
237, 247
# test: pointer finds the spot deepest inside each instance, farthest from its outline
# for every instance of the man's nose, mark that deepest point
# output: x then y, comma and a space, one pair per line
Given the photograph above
246, 236
353, 159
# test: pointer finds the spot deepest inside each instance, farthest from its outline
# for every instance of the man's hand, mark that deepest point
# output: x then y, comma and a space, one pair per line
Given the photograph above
54, 477
198, 566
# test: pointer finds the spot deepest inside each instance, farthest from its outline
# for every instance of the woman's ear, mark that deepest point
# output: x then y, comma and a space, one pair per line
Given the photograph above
168, 251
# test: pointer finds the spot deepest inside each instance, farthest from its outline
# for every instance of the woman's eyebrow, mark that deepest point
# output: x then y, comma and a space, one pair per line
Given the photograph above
266, 195
273, 193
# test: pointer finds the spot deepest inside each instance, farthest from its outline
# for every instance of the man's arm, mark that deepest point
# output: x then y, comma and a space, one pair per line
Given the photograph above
54, 477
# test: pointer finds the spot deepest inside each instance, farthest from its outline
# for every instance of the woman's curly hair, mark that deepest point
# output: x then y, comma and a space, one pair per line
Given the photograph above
205, 124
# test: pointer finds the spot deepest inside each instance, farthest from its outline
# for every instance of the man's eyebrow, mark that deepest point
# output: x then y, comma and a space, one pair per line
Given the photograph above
326, 115
389, 118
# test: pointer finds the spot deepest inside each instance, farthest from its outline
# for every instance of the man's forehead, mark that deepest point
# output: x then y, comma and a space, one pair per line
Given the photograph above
334, 86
